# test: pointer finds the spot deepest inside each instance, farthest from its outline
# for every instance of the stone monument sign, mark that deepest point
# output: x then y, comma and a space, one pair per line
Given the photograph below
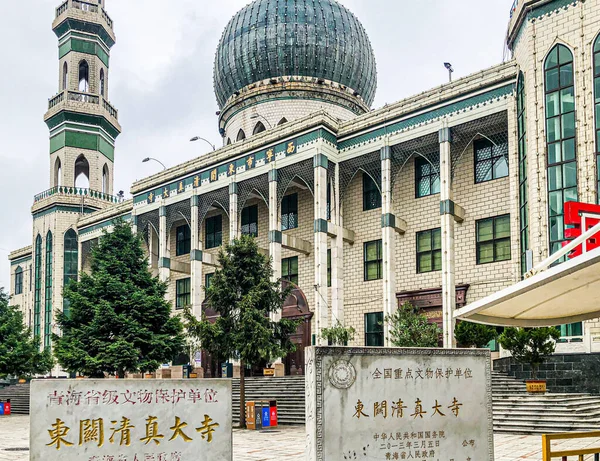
398, 404
131, 420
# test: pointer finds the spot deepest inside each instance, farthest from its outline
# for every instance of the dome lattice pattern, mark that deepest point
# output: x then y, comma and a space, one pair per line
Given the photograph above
309, 38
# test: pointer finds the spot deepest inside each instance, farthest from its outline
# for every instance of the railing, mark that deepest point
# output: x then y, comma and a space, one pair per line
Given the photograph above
107, 18
111, 110
83, 97
548, 454
85, 6
60, 97
62, 8
78, 192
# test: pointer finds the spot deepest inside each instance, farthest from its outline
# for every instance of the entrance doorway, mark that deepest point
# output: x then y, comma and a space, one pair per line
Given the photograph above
296, 308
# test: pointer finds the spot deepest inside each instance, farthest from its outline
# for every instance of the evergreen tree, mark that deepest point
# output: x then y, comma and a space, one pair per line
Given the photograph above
409, 328
530, 345
20, 354
242, 293
119, 320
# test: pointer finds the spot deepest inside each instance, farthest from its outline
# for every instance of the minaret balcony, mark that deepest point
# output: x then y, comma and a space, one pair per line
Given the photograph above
75, 196
85, 103
85, 12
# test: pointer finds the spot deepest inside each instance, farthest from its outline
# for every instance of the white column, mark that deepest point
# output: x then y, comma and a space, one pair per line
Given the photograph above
447, 225
234, 221
337, 254
197, 278
388, 240
164, 263
274, 232
320, 198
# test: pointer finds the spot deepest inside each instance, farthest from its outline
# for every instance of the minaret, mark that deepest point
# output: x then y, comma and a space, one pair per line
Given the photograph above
83, 128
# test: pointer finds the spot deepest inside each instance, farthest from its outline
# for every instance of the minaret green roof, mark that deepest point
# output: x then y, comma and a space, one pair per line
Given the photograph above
309, 38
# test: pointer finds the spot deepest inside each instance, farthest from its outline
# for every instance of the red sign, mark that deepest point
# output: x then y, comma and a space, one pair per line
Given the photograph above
581, 217
7, 408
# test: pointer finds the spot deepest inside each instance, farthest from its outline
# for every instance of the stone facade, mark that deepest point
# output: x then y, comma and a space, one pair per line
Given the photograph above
324, 145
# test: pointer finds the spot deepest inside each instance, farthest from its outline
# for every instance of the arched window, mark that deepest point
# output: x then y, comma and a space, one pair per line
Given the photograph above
48, 292
259, 128
70, 261
282, 121
597, 112
522, 148
228, 141
560, 139
241, 135
84, 76
37, 306
65, 76
19, 281
82, 172
105, 183
57, 172
102, 82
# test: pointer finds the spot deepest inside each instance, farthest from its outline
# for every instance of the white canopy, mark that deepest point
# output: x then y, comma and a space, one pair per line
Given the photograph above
567, 293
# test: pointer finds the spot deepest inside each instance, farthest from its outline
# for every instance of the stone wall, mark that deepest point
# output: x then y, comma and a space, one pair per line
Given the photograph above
564, 373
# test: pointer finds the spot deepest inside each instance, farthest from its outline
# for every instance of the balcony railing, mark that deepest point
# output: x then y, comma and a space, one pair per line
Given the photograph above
107, 18
85, 6
77, 192
60, 97
62, 8
83, 97
110, 109
78, 96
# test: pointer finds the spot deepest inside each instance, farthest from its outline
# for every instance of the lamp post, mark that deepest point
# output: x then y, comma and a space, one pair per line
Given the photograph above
448, 66
198, 138
257, 116
147, 159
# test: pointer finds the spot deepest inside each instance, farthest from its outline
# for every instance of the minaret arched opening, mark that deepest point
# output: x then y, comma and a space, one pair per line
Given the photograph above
65, 76
82, 172
241, 135
105, 179
84, 76
282, 121
57, 172
102, 83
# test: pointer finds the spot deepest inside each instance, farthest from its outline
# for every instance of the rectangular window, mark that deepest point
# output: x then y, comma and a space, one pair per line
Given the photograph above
289, 212
374, 329
573, 329
491, 160
373, 260
493, 239
183, 292
328, 268
371, 194
289, 269
214, 232
208, 279
184, 240
427, 176
429, 251
250, 221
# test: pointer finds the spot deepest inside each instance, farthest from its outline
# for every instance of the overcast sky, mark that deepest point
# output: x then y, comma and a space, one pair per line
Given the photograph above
161, 79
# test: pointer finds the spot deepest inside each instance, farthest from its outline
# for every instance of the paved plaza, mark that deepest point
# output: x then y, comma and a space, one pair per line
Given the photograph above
283, 443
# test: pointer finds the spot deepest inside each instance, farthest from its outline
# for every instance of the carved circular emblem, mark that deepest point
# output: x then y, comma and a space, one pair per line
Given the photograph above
342, 374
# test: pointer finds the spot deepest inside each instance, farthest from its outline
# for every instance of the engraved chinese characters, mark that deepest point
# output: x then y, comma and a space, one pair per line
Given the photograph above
131, 420
418, 404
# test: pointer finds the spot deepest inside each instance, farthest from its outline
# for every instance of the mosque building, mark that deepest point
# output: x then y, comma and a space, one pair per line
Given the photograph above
439, 199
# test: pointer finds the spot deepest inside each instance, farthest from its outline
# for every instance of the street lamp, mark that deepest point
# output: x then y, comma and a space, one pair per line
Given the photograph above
448, 66
257, 116
198, 138
147, 159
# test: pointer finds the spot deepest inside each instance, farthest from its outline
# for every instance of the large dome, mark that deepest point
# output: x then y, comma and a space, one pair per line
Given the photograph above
309, 38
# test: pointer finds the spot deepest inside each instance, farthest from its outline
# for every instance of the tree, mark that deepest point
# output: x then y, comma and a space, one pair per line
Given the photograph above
530, 345
119, 320
338, 335
408, 328
242, 293
470, 334
20, 354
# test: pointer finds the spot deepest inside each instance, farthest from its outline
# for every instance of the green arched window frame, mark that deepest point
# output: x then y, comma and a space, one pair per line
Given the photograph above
560, 139
70, 262
597, 111
523, 187
48, 293
19, 281
37, 306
